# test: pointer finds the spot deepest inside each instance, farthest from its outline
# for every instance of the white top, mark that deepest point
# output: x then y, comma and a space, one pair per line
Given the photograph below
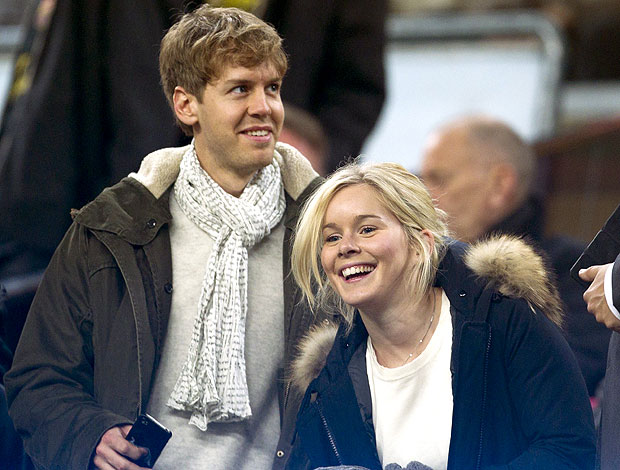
609, 296
244, 445
412, 404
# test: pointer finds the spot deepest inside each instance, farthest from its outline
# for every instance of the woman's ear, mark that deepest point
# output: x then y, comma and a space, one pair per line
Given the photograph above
429, 238
185, 106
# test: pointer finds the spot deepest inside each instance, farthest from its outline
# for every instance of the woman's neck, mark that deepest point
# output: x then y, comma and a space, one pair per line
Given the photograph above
400, 335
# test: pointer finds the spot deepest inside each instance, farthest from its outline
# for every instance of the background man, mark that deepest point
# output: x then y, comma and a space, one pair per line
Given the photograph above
108, 338
603, 299
482, 174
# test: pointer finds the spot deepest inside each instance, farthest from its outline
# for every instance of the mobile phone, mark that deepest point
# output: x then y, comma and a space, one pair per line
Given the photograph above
148, 433
603, 248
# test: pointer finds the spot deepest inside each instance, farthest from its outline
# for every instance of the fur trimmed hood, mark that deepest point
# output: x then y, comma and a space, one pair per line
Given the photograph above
505, 263
160, 169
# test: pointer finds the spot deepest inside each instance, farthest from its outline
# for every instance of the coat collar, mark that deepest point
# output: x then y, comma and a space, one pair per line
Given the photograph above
138, 206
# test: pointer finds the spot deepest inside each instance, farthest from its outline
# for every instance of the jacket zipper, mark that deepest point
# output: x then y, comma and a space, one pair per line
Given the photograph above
286, 392
484, 400
330, 436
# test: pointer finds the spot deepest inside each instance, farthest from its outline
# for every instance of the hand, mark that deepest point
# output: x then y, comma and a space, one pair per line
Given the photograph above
595, 296
113, 449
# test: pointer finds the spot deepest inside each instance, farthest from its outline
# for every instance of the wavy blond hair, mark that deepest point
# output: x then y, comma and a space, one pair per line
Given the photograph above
400, 192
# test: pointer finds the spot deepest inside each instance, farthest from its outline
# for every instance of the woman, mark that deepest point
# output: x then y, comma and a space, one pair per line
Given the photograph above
448, 356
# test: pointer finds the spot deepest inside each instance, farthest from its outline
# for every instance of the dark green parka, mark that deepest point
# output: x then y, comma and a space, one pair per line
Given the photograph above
93, 338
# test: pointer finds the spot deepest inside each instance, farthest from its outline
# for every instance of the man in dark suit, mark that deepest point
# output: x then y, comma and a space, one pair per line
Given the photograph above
603, 299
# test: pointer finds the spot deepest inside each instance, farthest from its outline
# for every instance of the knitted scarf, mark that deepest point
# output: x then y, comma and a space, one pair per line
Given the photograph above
212, 384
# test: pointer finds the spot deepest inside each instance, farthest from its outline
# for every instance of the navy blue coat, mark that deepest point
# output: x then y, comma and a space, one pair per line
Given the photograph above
520, 401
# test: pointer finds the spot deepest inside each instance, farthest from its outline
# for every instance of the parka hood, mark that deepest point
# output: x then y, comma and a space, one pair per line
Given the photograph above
159, 169
504, 263
137, 207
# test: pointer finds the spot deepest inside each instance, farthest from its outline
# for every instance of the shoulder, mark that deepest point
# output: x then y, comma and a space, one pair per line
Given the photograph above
298, 176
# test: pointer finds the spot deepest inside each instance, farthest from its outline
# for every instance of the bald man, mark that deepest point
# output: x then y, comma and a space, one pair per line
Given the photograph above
482, 173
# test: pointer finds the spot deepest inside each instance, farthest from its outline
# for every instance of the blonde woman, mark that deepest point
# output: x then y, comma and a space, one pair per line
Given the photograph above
447, 356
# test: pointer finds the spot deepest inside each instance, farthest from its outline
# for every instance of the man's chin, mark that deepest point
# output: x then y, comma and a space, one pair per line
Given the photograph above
265, 155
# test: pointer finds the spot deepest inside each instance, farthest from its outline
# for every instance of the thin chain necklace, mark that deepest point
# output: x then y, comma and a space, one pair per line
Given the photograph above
410, 355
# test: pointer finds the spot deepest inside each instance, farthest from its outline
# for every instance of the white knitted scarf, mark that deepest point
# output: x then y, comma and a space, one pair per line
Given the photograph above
212, 384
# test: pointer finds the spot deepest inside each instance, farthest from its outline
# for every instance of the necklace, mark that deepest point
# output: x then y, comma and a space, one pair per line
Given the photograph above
410, 355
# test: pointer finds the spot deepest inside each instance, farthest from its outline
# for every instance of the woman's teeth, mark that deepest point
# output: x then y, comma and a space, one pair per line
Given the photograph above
355, 270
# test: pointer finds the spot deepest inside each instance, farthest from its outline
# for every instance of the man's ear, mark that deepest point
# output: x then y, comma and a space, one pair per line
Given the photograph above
504, 190
185, 106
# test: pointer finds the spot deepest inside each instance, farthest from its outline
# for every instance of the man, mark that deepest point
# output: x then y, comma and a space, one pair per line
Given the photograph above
108, 337
603, 299
482, 174
73, 130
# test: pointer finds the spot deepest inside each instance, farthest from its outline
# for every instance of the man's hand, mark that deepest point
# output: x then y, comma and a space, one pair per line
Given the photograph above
595, 296
113, 449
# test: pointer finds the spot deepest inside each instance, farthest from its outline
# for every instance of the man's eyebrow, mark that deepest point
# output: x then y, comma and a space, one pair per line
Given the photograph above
358, 219
243, 81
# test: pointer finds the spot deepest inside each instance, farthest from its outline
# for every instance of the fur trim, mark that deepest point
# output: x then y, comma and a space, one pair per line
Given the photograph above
313, 350
297, 172
160, 169
512, 267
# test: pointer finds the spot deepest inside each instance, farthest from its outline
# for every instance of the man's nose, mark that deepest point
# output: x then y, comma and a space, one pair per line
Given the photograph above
258, 105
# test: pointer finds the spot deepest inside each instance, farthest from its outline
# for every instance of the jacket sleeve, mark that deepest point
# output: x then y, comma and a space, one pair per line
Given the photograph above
615, 282
548, 394
50, 385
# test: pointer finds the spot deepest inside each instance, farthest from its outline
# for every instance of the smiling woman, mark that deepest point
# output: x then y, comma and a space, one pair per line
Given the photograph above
447, 355
384, 198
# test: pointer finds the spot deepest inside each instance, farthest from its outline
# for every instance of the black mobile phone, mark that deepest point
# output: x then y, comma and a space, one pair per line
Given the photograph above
147, 432
603, 248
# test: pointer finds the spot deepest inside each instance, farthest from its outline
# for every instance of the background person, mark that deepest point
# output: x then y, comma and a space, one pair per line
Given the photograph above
603, 299
448, 356
484, 176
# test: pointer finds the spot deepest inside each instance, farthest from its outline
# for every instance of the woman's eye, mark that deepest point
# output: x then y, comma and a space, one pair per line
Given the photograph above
331, 238
368, 229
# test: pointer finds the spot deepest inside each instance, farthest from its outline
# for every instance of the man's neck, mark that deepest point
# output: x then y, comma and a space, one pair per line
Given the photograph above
526, 219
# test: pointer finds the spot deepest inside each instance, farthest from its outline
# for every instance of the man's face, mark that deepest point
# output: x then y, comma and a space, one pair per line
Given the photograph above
458, 181
238, 124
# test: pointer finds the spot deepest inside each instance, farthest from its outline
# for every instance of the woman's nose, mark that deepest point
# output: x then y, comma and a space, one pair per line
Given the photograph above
347, 246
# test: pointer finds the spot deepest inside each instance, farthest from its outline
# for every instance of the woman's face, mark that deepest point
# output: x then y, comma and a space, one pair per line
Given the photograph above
366, 254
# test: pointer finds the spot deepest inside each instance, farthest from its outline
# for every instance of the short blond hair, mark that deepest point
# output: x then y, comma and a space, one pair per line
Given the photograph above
400, 192
196, 49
